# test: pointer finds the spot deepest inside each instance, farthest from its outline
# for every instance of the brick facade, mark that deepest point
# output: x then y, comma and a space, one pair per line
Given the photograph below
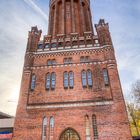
69, 107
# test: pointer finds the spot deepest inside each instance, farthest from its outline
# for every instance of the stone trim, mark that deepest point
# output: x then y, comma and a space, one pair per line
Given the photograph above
69, 105
74, 64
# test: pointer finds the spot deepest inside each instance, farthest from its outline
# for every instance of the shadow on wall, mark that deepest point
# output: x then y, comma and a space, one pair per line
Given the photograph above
136, 138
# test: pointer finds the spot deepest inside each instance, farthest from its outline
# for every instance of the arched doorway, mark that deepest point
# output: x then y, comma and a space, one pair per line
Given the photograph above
69, 134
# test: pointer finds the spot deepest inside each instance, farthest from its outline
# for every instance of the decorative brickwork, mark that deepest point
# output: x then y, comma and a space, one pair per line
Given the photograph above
92, 106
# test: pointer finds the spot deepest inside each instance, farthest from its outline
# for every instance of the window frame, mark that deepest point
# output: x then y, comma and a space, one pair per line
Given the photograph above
66, 79
53, 79
94, 125
106, 77
44, 128
47, 87
33, 82
89, 78
71, 79
84, 78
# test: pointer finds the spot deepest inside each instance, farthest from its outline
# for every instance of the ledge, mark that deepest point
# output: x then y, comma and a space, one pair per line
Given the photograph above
68, 105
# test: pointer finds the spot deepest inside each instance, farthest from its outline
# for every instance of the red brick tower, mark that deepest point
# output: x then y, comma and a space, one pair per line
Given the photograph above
70, 87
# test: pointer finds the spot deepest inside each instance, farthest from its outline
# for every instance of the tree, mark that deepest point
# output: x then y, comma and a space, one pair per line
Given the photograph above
136, 92
134, 107
134, 116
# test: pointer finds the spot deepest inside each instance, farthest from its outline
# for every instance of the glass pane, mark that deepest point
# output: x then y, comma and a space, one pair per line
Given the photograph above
54, 45
33, 80
53, 62
51, 122
47, 46
71, 79
53, 80
44, 127
69, 134
48, 81
106, 78
40, 46
89, 75
65, 80
84, 80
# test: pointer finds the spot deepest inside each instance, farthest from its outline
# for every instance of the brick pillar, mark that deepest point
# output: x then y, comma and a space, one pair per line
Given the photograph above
89, 19
73, 17
63, 16
55, 21
83, 29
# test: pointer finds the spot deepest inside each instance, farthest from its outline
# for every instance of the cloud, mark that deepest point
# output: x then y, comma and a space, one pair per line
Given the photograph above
32, 4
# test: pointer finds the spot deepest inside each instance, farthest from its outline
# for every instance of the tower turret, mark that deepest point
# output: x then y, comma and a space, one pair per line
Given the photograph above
103, 33
33, 39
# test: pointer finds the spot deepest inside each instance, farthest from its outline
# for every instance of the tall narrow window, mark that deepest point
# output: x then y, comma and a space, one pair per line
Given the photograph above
44, 129
95, 131
65, 80
53, 80
106, 77
48, 81
89, 77
49, 62
33, 81
87, 128
51, 133
51, 122
71, 79
84, 78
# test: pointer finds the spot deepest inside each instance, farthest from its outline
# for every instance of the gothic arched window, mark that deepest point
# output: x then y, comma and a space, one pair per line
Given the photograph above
89, 78
48, 81
71, 79
53, 80
40, 46
84, 78
94, 123
49, 62
47, 46
106, 77
44, 128
65, 80
87, 127
33, 81
51, 122
51, 132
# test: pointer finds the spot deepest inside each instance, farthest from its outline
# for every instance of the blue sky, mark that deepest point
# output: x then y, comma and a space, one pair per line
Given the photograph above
17, 17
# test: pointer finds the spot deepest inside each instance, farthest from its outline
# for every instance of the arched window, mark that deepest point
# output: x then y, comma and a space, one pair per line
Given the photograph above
71, 79
33, 81
53, 80
47, 46
53, 62
51, 132
84, 78
54, 45
40, 46
106, 77
82, 59
51, 122
65, 80
69, 134
44, 129
48, 81
94, 123
49, 62
89, 77
87, 127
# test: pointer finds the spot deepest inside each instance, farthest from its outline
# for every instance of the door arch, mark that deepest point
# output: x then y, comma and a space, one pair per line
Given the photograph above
69, 134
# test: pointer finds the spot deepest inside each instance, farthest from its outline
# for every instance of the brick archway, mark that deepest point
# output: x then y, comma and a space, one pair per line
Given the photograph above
69, 134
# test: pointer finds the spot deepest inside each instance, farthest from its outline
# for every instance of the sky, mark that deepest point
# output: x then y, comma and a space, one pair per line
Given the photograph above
17, 17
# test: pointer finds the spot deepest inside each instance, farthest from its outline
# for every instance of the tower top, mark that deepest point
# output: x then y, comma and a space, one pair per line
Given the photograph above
69, 16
